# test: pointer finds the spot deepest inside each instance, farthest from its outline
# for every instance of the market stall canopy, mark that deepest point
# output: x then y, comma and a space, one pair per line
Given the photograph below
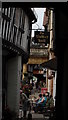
50, 64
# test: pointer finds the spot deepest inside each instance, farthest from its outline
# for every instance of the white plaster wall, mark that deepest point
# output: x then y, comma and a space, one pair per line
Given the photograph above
54, 86
49, 86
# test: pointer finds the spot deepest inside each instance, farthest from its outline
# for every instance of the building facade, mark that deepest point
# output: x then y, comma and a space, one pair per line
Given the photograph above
49, 25
16, 33
38, 53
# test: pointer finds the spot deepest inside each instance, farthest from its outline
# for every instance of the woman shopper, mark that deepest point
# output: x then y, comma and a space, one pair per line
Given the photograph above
38, 103
44, 100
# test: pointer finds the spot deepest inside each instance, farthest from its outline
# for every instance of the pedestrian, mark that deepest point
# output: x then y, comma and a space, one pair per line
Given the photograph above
36, 85
39, 89
42, 103
47, 95
51, 102
24, 105
38, 103
27, 92
48, 100
44, 100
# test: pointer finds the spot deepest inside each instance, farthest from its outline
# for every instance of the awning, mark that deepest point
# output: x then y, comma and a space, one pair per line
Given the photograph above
50, 64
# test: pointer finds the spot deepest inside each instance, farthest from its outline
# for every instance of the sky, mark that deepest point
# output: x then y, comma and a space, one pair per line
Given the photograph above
39, 23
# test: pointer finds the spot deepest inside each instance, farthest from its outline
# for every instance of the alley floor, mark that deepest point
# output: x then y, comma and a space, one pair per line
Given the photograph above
35, 116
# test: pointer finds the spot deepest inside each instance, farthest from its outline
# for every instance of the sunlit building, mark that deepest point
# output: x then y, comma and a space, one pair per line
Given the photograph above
39, 53
49, 25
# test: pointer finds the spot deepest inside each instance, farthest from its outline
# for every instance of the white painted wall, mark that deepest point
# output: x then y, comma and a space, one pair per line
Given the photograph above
54, 86
51, 32
46, 78
49, 86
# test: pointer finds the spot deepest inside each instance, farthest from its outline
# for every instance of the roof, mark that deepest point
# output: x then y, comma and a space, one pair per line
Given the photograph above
30, 13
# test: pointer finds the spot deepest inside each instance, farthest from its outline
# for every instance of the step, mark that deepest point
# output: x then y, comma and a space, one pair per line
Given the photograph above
36, 115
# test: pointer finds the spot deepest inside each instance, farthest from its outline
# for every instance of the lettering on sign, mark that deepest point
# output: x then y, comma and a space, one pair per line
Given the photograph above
42, 37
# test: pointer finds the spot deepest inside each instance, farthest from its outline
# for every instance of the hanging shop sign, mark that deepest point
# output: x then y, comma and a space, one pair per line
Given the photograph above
42, 37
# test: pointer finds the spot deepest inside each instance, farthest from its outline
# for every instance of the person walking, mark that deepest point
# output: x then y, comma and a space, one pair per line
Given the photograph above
38, 102
44, 100
24, 105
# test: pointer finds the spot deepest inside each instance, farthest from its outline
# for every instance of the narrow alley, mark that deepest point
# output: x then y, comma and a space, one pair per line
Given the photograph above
29, 63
